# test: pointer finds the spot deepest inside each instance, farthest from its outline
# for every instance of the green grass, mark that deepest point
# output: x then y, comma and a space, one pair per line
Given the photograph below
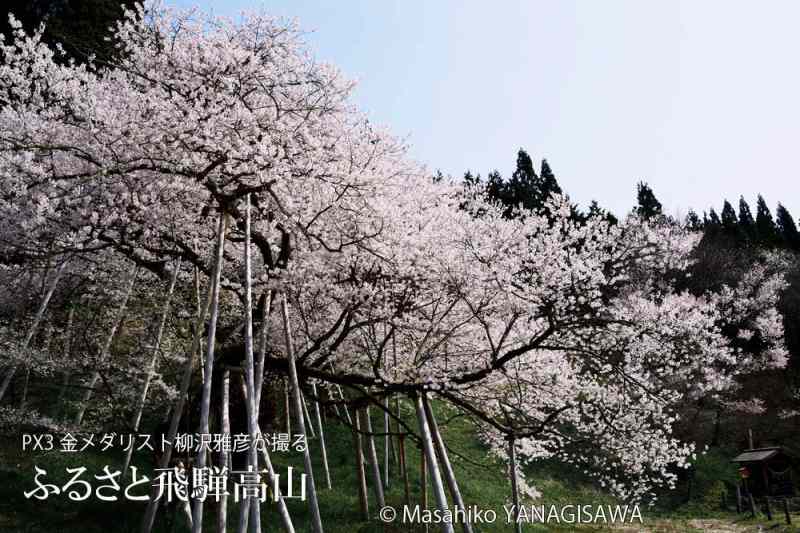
483, 481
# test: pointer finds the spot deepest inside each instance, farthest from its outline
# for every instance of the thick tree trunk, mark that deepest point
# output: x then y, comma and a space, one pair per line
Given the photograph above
512, 457
433, 466
372, 456
137, 415
87, 395
224, 456
254, 504
34, 325
449, 475
316, 519
186, 378
361, 474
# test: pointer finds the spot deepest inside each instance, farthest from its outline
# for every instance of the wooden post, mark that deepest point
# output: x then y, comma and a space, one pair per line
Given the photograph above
423, 480
786, 511
321, 431
287, 406
752, 503
768, 509
361, 474
401, 444
316, 519
205, 399
198, 313
254, 504
433, 465
738, 499
262, 349
372, 457
341, 397
186, 380
512, 457
118, 319
67, 355
286, 520
447, 468
34, 326
48, 336
750, 438
225, 423
308, 424
137, 415
387, 442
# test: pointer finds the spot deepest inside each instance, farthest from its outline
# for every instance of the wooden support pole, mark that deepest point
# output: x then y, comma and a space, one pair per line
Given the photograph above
447, 468
738, 499
512, 457
151, 366
786, 511
37, 319
387, 443
316, 519
321, 432
433, 466
287, 405
205, 399
286, 520
401, 444
308, 423
423, 480
48, 337
361, 474
262, 349
341, 397
254, 504
186, 379
225, 427
372, 457
198, 313
104, 353
67, 354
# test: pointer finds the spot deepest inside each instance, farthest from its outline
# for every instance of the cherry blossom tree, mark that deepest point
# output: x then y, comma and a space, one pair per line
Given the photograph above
222, 150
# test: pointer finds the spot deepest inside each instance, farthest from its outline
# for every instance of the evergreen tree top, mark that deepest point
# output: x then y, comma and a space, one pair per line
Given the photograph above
765, 225
787, 228
729, 219
648, 205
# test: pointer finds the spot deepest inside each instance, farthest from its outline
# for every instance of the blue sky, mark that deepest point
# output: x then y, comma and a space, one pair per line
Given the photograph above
699, 98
